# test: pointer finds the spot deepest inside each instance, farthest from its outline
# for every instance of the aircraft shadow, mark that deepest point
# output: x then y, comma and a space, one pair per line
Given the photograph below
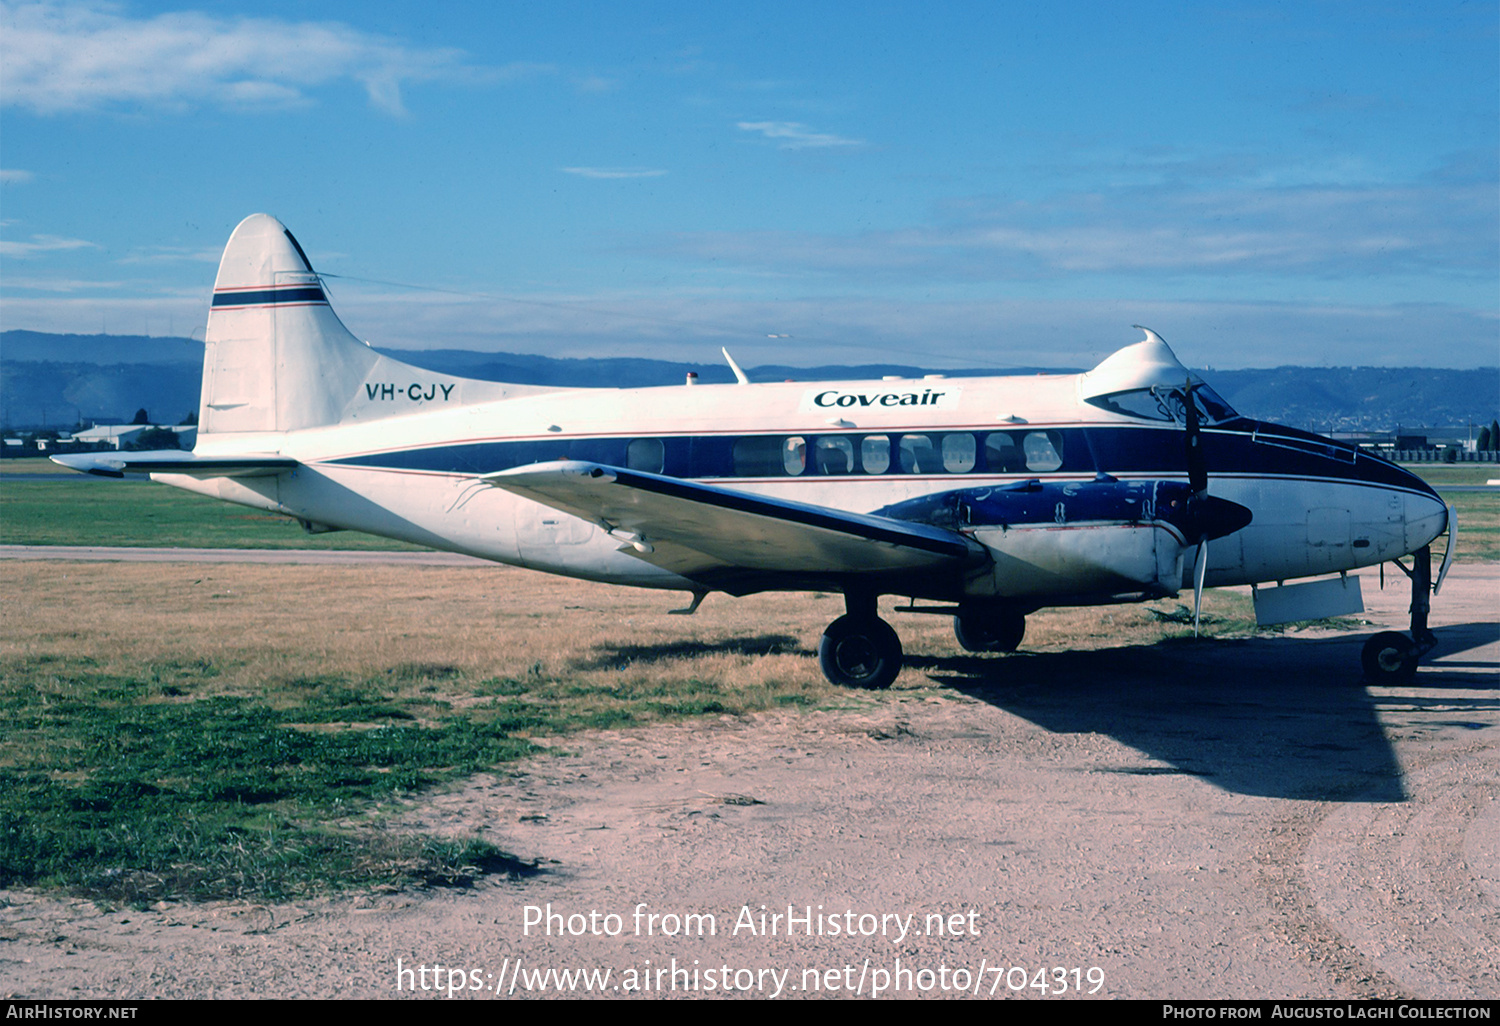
614, 657
1274, 717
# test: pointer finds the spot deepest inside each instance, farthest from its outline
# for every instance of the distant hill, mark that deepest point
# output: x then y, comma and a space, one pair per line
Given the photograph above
55, 380
1326, 399
106, 350
633, 372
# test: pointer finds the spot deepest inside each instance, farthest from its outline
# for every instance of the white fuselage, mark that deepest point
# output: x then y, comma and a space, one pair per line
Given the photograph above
855, 446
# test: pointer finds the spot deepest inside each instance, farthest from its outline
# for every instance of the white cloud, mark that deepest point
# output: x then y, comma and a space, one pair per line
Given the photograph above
11, 176
793, 135
172, 254
1316, 233
613, 172
595, 84
1055, 332
42, 244
68, 56
1072, 331
13, 283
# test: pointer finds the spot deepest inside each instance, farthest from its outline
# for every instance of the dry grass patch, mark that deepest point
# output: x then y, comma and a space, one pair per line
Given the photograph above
182, 730
206, 730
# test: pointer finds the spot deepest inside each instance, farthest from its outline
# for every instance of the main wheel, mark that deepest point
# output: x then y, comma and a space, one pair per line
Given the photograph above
988, 630
860, 652
1390, 657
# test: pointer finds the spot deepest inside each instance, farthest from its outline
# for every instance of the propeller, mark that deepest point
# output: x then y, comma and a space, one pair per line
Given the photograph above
1207, 517
1197, 468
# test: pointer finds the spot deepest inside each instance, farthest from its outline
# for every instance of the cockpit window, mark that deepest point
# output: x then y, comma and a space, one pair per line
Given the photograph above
1164, 403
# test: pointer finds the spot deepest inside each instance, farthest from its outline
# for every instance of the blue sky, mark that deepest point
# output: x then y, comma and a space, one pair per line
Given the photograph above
988, 184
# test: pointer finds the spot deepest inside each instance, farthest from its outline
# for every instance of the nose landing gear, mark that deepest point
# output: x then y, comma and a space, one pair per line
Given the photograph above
1391, 657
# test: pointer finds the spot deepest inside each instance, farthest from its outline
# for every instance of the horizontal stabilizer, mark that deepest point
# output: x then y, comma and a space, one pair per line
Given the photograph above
175, 461
656, 515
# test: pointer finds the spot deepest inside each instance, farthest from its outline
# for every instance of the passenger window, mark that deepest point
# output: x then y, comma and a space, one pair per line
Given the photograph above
794, 455
834, 455
1043, 450
646, 454
918, 455
875, 454
958, 453
1001, 455
758, 457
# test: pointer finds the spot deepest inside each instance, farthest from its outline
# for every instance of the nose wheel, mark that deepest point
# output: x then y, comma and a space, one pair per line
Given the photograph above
1391, 657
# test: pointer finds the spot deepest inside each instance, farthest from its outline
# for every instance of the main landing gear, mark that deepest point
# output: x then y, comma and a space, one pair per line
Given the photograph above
859, 649
1391, 657
989, 628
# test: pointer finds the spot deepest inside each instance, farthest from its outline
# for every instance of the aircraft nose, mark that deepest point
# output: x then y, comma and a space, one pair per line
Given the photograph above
1425, 517
1402, 512
1424, 514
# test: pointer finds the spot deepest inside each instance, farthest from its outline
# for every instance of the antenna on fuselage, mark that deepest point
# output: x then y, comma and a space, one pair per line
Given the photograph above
739, 374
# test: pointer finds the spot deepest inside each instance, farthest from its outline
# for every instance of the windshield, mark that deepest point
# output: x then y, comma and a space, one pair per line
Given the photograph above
1162, 403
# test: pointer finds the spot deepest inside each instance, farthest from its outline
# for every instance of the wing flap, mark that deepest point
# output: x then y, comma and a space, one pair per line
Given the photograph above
673, 522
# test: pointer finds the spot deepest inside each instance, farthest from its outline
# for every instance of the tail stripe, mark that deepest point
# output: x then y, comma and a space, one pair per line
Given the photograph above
300, 295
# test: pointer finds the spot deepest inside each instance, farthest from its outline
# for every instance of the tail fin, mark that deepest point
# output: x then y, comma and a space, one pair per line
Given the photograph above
279, 359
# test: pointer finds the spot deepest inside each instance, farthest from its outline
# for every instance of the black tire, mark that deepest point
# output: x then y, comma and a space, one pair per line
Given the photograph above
989, 630
860, 652
1390, 657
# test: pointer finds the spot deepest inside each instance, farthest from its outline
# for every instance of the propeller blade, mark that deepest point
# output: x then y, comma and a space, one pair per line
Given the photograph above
1199, 569
1197, 466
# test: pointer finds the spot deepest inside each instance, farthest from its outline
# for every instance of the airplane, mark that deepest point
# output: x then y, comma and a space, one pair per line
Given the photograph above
987, 499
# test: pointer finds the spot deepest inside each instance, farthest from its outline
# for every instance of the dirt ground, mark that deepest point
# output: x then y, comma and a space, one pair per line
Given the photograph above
1234, 819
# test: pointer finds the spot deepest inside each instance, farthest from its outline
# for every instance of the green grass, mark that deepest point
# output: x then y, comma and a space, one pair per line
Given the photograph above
135, 788
1478, 512
149, 785
1478, 524
143, 513
36, 466
181, 770
1450, 474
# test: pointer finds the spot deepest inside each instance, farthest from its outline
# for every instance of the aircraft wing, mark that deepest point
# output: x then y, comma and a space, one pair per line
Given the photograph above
698, 529
175, 461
